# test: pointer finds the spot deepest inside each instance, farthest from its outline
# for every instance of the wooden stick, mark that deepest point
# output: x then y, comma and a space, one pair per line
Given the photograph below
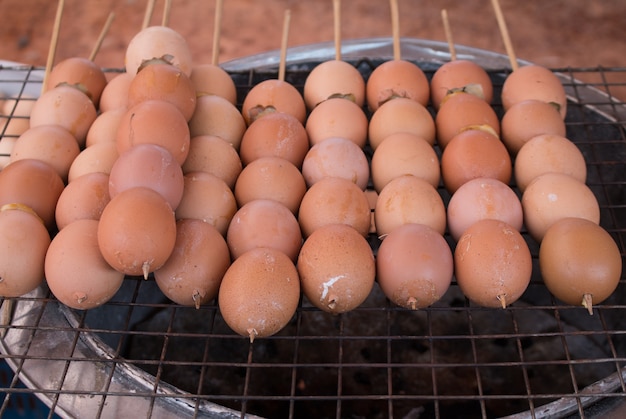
105, 30
505, 34
337, 28
53, 43
147, 17
446, 28
219, 5
167, 7
395, 29
283, 46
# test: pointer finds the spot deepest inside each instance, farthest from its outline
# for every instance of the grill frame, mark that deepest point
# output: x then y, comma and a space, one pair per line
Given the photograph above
64, 355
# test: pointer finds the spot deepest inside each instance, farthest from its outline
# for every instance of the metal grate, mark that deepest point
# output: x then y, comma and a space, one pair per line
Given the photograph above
143, 356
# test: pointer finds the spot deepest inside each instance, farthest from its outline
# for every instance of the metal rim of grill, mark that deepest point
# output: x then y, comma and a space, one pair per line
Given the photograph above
377, 361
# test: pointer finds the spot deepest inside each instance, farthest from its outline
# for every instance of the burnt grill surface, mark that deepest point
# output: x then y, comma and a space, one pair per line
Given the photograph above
453, 359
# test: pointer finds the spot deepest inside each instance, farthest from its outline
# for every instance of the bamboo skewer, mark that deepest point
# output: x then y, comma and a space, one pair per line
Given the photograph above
147, 17
103, 33
448, 32
53, 43
505, 34
283, 45
395, 29
337, 28
167, 7
219, 5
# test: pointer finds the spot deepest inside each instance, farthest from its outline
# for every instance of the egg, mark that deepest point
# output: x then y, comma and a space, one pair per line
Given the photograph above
154, 122
216, 116
67, 107
483, 198
337, 268
24, 241
333, 78
336, 157
115, 93
72, 252
460, 75
83, 198
151, 166
580, 262
81, 73
161, 81
548, 153
208, 198
259, 293
6, 147
32, 183
396, 78
158, 42
462, 111
336, 117
552, 196
334, 200
96, 158
272, 95
104, 128
401, 154
493, 264
527, 119
472, 154
409, 199
211, 154
401, 115
52, 144
414, 266
192, 274
264, 223
211, 79
534, 82
271, 178
137, 231
275, 135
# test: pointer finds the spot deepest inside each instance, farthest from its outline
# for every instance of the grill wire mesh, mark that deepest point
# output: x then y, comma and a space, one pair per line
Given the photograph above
537, 358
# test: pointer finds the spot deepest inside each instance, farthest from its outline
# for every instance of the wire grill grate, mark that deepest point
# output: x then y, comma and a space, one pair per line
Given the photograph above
141, 355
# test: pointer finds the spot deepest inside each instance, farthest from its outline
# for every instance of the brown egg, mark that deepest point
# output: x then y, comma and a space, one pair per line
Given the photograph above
472, 154
534, 82
115, 93
72, 252
271, 178
65, 106
401, 115
414, 266
401, 154
211, 154
32, 183
259, 293
6, 147
264, 223
24, 241
409, 199
210, 79
336, 157
275, 135
52, 144
79, 72
104, 127
208, 198
158, 42
193, 273
396, 78
527, 119
84, 198
482, 198
334, 78
462, 111
552, 196
337, 269
492, 264
548, 153
96, 158
162, 81
580, 262
334, 200
337, 118
155, 122
137, 231
460, 75
218, 117
271, 96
